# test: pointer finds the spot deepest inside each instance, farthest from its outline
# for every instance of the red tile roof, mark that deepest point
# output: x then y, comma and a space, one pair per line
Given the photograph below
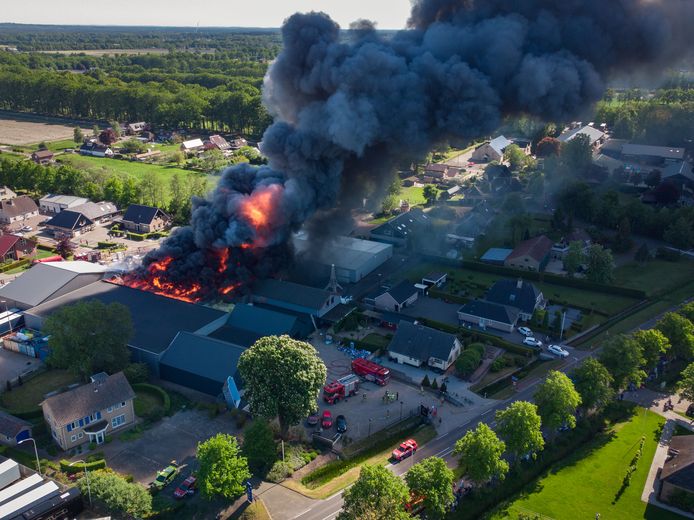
7, 242
536, 248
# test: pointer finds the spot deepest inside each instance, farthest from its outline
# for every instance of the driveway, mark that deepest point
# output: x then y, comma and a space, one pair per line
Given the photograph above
13, 364
434, 309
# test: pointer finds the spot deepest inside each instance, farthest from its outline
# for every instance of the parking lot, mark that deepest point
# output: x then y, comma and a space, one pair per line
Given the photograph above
13, 364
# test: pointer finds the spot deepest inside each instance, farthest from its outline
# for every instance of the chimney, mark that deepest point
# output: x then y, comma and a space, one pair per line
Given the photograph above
519, 283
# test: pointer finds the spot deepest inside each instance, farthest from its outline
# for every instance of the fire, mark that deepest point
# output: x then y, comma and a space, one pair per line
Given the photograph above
258, 208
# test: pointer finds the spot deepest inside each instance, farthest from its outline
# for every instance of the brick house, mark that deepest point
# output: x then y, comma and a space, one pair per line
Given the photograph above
145, 219
91, 411
13, 247
530, 255
17, 209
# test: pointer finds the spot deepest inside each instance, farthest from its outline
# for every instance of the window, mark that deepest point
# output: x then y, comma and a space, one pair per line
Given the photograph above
122, 404
118, 421
73, 438
109, 409
80, 435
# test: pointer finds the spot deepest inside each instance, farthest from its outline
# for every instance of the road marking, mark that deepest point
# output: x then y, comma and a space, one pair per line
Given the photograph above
485, 413
300, 514
331, 516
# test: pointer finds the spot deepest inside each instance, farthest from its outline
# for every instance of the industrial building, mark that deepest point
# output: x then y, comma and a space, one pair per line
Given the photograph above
353, 258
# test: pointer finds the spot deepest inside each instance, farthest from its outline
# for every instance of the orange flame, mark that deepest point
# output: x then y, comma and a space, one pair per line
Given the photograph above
258, 208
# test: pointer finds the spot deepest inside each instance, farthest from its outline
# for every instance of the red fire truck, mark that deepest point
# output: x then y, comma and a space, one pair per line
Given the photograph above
371, 371
344, 387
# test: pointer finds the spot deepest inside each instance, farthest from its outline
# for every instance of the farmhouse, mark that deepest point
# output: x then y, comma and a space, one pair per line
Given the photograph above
530, 255
42, 156
51, 203
417, 345
96, 149
217, 142
6, 193
13, 247
98, 212
135, 128
491, 151
436, 170
595, 136
17, 209
393, 298
192, 145
561, 248
144, 219
69, 224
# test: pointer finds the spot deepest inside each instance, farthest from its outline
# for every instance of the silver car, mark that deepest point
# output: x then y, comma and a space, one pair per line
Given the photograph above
558, 351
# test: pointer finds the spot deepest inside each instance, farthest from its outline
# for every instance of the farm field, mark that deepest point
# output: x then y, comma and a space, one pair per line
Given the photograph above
33, 130
109, 52
656, 276
587, 482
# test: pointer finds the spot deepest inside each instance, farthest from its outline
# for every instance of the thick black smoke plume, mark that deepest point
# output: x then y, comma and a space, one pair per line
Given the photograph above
346, 110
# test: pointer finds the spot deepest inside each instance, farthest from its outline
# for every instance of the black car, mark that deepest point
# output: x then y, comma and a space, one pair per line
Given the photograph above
341, 424
690, 410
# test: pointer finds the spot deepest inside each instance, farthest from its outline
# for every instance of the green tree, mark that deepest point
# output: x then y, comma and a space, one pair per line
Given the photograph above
575, 257
377, 494
389, 203
599, 264
151, 189
686, 383
259, 446
557, 400
395, 187
515, 157
642, 254
178, 157
222, 470
117, 131
283, 377
89, 337
96, 131
623, 358
433, 480
133, 146
653, 344
593, 383
117, 494
577, 154
680, 332
77, 135
430, 193
680, 233
519, 425
480, 452
687, 311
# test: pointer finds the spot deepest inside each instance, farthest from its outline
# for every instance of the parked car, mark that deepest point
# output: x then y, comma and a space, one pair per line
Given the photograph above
312, 419
558, 351
341, 424
406, 449
165, 476
27, 228
187, 487
532, 342
525, 331
327, 419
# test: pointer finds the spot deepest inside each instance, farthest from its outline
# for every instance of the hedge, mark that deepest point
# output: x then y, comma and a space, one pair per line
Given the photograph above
136, 236
79, 467
15, 265
442, 295
146, 387
44, 247
107, 245
35, 413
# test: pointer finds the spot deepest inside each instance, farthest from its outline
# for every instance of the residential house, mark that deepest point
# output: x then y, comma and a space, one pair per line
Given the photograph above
237, 143
42, 157
144, 219
435, 279
96, 149
436, 170
496, 255
417, 345
13, 429
561, 248
69, 224
294, 297
524, 296
217, 142
486, 314
135, 128
491, 151
595, 137
6, 193
17, 209
677, 474
395, 298
530, 255
98, 212
192, 145
13, 247
679, 173
91, 411
399, 230
51, 204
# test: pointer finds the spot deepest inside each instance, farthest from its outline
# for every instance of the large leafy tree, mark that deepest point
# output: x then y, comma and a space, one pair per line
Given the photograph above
653, 344
593, 383
680, 332
599, 264
480, 452
118, 494
433, 480
574, 257
623, 358
222, 470
377, 495
282, 377
259, 446
89, 337
519, 425
557, 400
686, 384
430, 192
687, 311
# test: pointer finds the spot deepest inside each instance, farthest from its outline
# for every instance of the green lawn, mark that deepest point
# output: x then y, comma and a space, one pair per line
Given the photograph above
656, 276
32, 392
587, 482
147, 403
414, 195
58, 146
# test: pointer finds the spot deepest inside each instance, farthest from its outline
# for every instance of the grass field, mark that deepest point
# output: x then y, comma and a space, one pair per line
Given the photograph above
254, 511
656, 276
414, 195
32, 392
587, 482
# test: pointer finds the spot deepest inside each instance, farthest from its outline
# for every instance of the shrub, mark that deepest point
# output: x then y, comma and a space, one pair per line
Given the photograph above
498, 364
279, 471
145, 387
468, 361
425, 382
106, 245
93, 465
479, 347
136, 373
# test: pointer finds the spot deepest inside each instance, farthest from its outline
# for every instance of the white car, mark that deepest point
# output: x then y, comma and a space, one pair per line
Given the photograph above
525, 331
532, 342
27, 228
557, 351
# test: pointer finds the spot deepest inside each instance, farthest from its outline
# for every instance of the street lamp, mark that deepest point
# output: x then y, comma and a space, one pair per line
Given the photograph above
86, 473
36, 452
401, 403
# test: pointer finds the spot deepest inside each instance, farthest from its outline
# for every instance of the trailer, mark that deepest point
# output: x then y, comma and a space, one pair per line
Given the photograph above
344, 387
9, 473
371, 371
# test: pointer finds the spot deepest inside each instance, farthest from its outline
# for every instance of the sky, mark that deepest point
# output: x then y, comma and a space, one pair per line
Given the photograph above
389, 14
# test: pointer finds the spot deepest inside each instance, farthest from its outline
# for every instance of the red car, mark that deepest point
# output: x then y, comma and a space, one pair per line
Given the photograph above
186, 488
405, 449
327, 420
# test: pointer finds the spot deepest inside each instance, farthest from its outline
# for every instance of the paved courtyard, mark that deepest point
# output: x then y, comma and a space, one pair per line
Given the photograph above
13, 364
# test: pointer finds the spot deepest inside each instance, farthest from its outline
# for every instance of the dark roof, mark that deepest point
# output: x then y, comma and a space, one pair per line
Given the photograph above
666, 152
435, 276
679, 470
10, 426
402, 225
87, 399
248, 323
491, 311
200, 355
18, 206
420, 342
290, 292
140, 214
68, 219
402, 291
42, 154
234, 335
507, 292
156, 319
93, 210
536, 248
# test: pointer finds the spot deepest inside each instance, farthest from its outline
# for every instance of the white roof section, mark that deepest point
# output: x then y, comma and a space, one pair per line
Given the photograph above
344, 252
19, 487
18, 504
666, 152
499, 144
192, 143
63, 199
78, 266
592, 133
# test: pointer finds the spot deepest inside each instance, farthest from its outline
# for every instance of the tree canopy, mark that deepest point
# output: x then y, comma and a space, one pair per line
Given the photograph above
480, 452
283, 377
119, 495
378, 494
593, 383
599, 264
519, 425
623, 358
557, 400
680, 333
89, 337
222, 470
433, 480
686, 384
259, 446
653, 344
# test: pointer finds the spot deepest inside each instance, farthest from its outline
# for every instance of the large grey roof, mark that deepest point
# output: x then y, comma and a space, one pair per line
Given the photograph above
679, 470
290, 292
499, 144
592, 133
63, 199
21, 205
666, 152
491, 311
507, 292
140, 214
402, 225
94, 210
420, 342
402, 291
87, 399
70, 219
343, 252
156, 319
248, 323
